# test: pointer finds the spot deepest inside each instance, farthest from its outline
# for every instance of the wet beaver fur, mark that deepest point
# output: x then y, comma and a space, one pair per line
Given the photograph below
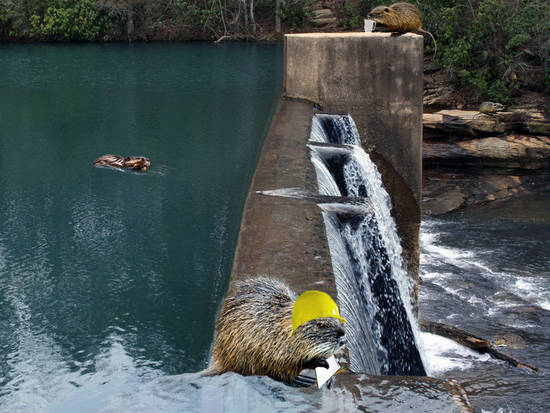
253, 334
137, 163
400, 17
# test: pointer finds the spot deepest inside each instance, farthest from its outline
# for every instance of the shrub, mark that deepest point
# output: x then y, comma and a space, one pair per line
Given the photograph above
296, 13
492, 47
68, 19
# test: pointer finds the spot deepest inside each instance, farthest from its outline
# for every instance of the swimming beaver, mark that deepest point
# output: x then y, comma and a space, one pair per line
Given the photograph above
255, 336
138, 163
400, 17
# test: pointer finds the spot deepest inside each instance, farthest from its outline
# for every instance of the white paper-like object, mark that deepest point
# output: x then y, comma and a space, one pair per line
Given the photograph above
324, 374
369, 25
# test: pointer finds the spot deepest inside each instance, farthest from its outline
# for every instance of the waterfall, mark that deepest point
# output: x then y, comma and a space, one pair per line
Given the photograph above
327, 185
373, 286
334, 129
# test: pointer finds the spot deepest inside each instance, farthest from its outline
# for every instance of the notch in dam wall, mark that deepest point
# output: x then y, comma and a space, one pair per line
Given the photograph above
377, 79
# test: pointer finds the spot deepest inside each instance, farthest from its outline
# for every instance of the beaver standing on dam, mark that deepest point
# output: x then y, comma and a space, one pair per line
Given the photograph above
137, 163
257, 333
400, 17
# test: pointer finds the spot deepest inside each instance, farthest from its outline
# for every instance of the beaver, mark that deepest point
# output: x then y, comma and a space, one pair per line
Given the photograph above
400, 17
137, 163
254, 334
490, 107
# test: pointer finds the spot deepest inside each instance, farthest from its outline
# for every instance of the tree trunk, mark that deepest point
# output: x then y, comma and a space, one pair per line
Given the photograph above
245, 15
469, 340
130, 25
278, 16
252, 21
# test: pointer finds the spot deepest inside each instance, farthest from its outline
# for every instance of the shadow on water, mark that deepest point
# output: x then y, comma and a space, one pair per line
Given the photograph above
154, 170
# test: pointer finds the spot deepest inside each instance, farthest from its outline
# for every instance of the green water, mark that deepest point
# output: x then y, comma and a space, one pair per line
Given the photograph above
103, 271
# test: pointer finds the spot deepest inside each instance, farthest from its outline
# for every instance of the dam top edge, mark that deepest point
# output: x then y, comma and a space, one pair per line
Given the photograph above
346, 35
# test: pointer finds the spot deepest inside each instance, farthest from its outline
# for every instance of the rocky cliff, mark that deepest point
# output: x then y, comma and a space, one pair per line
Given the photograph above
471, 158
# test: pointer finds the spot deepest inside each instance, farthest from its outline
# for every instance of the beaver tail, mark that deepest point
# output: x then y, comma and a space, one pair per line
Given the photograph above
433, 39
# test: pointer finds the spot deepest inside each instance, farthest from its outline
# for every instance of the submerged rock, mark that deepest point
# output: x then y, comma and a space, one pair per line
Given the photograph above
447, 191
509, 340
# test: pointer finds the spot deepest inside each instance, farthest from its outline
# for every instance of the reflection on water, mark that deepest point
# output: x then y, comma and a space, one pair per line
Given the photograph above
487, 271
108, 278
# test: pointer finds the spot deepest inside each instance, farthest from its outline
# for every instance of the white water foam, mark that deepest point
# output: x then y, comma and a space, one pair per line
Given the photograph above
361, 175
364, 172
530, 290
326, 185
355, 309
317, 133
443, 355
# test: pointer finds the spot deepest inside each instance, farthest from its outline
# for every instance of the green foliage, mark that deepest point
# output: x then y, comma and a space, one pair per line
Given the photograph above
353, 13
296, 13
198, 13
68, 19
492, 47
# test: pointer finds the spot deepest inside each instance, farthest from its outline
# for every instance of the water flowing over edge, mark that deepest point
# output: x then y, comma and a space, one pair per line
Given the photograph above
362, 178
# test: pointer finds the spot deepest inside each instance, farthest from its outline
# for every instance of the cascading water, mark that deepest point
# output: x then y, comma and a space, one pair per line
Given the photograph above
373, 286
339, 129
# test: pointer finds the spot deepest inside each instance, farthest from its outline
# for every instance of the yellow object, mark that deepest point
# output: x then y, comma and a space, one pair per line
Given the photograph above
311, 305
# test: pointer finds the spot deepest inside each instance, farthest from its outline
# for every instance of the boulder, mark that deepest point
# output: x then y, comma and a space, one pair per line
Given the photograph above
447, 191
512, 151
323, 17
474, 123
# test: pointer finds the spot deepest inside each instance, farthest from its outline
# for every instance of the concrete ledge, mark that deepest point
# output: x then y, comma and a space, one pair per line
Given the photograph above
285, 237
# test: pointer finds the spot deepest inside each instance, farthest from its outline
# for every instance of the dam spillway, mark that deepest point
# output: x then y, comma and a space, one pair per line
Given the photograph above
313, 149
373, 287
284, 231
283, 235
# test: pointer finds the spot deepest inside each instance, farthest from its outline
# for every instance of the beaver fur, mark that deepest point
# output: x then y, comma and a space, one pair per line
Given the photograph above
137, 163
400, 17
253, 333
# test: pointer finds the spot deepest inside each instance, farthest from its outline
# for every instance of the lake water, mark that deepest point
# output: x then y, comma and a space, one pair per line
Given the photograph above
110, 278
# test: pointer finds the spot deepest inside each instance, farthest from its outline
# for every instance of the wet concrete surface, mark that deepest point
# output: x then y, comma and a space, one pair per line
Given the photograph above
280, 236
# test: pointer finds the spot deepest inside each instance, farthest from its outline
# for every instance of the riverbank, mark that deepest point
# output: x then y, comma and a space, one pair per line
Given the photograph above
471, 158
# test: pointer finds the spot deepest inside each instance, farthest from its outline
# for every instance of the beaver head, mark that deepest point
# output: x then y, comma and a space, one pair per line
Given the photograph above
379, 12
318, 340
139, 163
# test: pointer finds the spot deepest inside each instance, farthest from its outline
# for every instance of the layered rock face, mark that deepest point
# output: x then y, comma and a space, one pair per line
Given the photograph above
471, 158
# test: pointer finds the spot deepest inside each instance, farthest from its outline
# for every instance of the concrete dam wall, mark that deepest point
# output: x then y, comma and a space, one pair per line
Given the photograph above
378, 79
309, 218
